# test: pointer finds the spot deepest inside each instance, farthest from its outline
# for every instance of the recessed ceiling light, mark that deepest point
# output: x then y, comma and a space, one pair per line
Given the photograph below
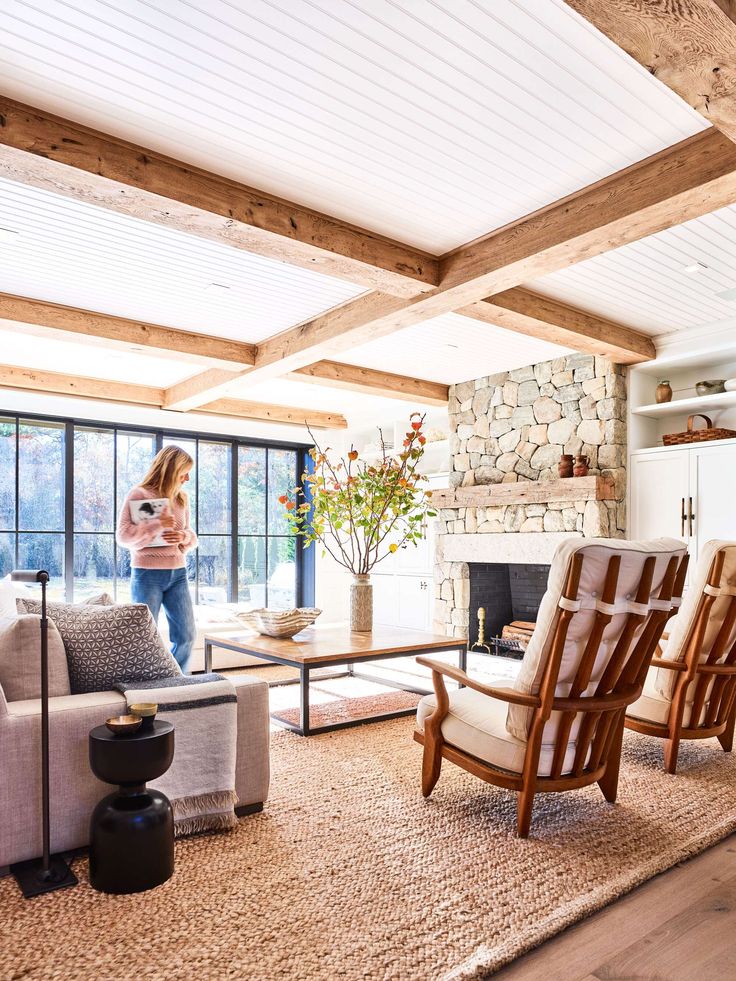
695, 267
216, 288
7, 234
728, 295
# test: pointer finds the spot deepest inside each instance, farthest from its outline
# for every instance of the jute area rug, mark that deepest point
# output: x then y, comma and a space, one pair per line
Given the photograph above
350, 874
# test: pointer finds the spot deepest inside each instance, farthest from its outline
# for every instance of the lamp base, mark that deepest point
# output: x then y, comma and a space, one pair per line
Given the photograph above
33, 881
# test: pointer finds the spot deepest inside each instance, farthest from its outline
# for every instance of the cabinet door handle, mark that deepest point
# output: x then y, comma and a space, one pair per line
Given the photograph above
683, 517
691, 517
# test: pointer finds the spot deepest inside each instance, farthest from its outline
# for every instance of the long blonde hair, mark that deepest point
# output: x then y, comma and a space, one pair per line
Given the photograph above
164, 474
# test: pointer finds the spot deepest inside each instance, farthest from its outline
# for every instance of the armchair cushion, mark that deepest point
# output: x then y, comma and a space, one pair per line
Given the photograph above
654, 707
476, 724
681, 625
20, 658
597, 551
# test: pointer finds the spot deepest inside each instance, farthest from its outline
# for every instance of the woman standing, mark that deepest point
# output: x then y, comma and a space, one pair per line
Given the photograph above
159, 575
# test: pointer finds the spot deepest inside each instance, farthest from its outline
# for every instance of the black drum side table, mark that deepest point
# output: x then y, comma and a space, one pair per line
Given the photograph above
132, 830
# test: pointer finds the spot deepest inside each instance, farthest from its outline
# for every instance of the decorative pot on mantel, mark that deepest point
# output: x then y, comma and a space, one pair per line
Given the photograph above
582, 464
361, 604
564, 467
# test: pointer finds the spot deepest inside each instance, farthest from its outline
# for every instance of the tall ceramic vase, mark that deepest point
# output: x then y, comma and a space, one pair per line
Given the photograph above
361, 604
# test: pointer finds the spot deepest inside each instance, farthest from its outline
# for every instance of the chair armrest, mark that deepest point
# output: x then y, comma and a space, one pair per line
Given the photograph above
505, 694
658, 662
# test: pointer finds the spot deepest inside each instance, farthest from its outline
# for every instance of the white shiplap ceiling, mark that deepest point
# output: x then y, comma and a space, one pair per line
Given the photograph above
76, 254
429, 121
452, 349
43, 354
644, 285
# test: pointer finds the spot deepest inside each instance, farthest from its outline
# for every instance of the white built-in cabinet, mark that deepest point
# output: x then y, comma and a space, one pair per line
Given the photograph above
686, 492
403, 588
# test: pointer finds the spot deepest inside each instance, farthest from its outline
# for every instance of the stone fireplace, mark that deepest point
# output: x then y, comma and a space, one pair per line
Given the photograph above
506, 503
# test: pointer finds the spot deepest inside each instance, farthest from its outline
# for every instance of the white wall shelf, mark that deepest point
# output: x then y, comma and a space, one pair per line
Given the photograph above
700, 403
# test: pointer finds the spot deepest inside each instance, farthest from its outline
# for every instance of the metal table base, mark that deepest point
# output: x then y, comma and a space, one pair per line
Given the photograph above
304, 728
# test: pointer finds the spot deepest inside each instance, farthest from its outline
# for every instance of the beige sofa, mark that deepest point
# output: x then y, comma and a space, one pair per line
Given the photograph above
74, 790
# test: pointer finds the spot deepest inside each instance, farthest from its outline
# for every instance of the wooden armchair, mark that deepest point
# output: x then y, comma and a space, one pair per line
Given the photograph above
560, 727
690, 690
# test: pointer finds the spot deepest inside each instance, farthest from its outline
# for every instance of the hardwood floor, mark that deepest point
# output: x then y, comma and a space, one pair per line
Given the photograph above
680, 926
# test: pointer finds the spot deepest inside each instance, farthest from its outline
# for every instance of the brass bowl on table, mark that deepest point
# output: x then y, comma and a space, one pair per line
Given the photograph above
124, 725
147, 712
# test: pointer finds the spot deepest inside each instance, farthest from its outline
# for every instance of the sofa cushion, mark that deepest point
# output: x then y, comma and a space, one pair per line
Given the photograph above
7, 598
108, 644
20, 659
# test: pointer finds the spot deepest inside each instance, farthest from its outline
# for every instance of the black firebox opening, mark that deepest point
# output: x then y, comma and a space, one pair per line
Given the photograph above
507, 591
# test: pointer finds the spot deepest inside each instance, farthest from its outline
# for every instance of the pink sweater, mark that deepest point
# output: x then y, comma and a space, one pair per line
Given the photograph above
136, 537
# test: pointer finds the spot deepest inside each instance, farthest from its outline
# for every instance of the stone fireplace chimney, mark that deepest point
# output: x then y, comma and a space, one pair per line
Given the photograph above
506, 502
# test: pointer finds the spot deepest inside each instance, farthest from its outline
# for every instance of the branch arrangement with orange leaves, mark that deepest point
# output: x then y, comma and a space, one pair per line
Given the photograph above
361, 511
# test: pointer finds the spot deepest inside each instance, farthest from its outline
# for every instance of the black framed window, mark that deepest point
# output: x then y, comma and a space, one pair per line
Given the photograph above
62, 483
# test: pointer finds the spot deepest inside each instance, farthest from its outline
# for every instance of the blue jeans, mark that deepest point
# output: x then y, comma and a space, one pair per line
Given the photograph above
168, 588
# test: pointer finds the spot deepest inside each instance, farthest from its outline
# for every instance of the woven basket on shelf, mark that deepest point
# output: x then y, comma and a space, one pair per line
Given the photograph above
698, 435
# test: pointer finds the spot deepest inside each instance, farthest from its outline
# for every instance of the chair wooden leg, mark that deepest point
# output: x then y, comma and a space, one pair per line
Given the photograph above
726, 737
609, 781
671, 752
524, 806
431, 763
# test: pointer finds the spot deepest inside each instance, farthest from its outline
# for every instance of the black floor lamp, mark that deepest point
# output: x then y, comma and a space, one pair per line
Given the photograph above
39, 875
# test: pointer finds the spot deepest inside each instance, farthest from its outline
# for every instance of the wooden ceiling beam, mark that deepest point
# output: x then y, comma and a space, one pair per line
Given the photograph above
55, 383
526, 312
353, 378
275, 413
51, 320
73, 324
690, 179
64, 157
689, 46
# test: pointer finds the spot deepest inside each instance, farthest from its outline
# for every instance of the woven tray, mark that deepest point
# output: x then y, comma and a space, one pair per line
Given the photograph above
710, 432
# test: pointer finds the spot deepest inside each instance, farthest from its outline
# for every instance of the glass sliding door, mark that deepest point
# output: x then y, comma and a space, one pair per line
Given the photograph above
94, 512
62, 484
213, 521
41, 498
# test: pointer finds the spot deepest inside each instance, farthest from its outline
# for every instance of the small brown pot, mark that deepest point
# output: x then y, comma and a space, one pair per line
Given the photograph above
663, 392
582, 464
565, 466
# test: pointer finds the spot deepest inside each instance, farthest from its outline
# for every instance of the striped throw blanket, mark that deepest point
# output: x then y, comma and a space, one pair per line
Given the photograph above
200, 783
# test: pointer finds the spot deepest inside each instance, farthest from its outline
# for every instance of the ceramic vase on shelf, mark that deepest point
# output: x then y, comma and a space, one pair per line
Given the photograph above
663, 392
361, 604
564, 467
580, 469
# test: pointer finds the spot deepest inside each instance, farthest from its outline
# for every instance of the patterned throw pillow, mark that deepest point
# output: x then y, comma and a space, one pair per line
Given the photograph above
108, 644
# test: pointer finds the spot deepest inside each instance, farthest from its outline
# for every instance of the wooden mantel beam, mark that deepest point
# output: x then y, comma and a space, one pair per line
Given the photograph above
685, 181
690, 46
56, 383
67, 158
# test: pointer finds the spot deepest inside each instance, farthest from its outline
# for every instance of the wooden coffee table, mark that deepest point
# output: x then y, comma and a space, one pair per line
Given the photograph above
334, 645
